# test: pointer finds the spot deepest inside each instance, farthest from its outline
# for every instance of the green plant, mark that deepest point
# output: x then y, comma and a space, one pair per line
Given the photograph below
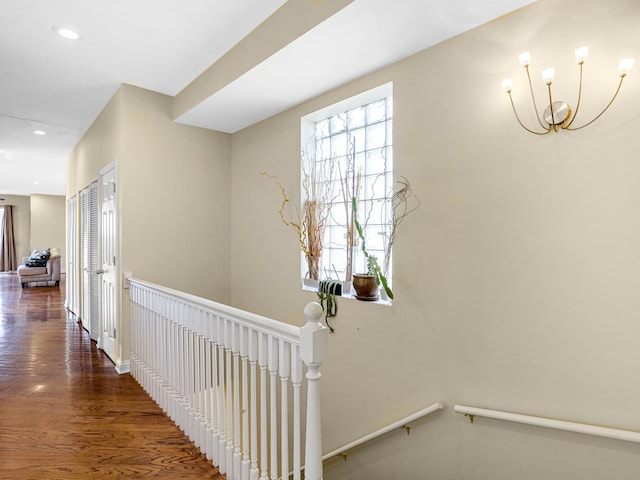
327, 291
372, 261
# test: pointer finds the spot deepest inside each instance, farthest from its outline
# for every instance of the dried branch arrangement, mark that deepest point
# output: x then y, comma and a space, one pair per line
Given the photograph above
403, 203
350, 184
331, 183
312, 220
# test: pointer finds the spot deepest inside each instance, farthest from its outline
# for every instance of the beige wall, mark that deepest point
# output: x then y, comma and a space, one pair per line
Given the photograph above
100, 145
21, 223
516, 281
173, 196
48, 214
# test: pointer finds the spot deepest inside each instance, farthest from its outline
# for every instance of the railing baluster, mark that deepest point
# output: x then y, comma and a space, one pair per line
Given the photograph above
180, 370
204, 384
273, 373
296, 380
284, 363
221, 398
244, 358
237, 456
253, 359
264, 447
215, 406
190, 380
208, 388
229, 400
199, 388
214, 370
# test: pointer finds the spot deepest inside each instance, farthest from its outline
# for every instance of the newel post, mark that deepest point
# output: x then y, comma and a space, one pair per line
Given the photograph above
313, 348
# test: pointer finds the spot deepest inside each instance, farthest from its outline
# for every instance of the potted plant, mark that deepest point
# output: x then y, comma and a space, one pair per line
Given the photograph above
327, 292
363, 283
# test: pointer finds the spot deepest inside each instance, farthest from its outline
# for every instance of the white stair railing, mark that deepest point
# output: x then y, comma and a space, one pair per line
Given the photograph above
215, 369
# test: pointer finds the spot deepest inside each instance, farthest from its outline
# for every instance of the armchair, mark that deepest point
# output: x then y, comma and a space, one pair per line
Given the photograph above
47, 273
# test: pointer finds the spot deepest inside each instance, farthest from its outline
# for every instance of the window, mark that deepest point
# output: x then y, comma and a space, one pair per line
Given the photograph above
348, 154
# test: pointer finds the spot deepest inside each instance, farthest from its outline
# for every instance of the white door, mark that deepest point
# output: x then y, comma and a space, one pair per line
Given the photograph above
90, 260
94, 262
85, 304
108, 271
71, 301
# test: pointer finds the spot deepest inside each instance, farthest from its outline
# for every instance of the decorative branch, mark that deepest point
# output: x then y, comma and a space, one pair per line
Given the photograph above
300, 230
350, 188
312, 220
400, 209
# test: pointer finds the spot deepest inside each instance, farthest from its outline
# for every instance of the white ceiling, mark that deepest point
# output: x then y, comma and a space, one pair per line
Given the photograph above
59, 86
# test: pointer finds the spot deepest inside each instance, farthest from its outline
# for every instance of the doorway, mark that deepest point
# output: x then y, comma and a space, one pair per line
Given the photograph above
108, 271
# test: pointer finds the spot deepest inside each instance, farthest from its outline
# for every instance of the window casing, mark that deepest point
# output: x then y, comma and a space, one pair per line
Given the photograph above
352, 147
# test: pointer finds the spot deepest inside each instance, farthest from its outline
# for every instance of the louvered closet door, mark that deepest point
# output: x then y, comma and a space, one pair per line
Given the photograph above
72, 255
84, 258
94, 261
90, 259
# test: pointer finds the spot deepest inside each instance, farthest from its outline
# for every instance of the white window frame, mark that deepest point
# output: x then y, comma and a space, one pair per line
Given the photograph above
335, 243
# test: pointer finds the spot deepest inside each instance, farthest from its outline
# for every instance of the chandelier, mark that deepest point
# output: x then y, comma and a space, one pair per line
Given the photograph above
558, 114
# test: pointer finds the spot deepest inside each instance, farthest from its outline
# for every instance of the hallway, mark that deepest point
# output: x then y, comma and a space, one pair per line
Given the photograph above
64, 411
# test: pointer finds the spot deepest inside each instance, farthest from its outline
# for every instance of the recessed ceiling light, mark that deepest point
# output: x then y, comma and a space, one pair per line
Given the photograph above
36, 182
39, 132
67, 33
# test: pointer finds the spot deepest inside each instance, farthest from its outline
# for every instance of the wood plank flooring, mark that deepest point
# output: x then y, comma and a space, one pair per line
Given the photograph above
64, 411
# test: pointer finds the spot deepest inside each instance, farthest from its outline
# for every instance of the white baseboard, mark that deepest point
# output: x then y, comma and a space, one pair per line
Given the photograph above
123, 367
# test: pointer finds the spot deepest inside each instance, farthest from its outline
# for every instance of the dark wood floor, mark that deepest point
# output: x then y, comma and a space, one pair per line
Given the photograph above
64, 411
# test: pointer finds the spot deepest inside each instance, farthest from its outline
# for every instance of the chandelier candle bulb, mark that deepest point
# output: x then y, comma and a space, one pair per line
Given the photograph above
506, 84
525, 59
548, 74
581, 54
625, 66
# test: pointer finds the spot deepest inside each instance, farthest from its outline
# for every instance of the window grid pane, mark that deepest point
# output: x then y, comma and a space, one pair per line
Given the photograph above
358, 140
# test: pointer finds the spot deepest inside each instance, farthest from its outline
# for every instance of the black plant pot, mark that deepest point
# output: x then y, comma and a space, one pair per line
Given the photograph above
329, 287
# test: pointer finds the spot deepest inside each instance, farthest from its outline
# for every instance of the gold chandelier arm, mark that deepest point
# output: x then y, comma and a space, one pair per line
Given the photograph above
533, 99
575, 113
604, 110
547, 130
553, 117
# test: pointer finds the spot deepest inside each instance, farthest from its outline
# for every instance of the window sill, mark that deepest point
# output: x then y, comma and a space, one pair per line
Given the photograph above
347, 292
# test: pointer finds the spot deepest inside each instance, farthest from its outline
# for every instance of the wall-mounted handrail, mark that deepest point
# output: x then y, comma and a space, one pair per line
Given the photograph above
584, 428
378, 433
